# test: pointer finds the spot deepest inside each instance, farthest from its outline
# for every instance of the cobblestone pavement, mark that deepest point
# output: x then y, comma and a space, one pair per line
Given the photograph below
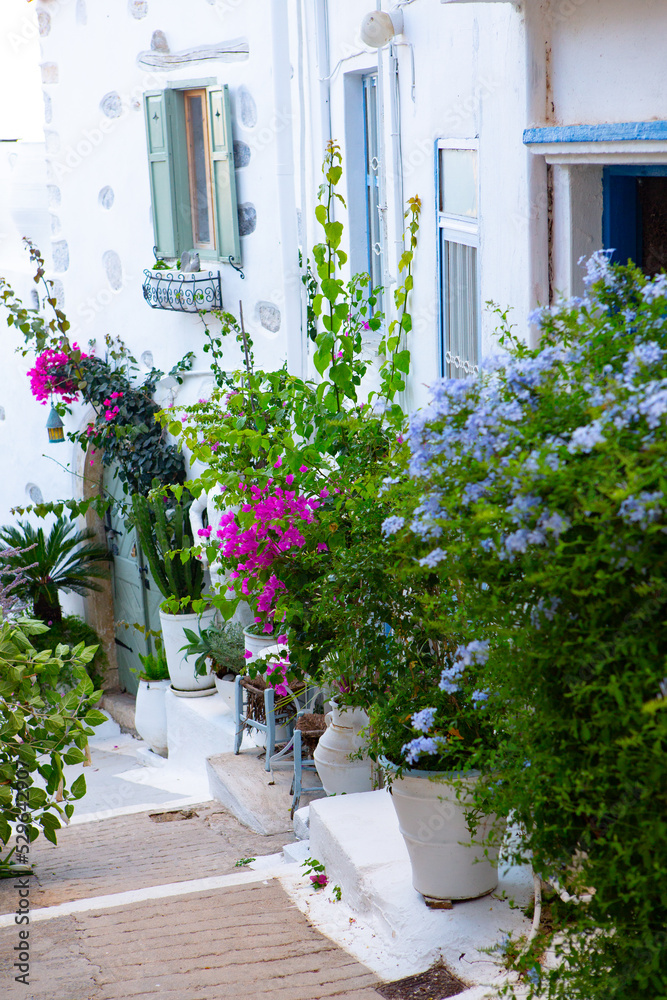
237, 941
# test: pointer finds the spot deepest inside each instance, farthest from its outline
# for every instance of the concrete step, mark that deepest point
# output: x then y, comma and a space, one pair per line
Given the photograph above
120, 707
258, 798
358, 840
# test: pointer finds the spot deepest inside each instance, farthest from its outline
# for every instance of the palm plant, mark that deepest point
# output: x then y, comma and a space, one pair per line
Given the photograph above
65, 559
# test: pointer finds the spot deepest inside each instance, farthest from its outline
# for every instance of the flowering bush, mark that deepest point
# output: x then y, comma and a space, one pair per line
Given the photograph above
544, 497
47, 377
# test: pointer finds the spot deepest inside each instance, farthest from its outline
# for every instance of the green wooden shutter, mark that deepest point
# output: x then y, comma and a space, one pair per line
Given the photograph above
168, 169
224, 179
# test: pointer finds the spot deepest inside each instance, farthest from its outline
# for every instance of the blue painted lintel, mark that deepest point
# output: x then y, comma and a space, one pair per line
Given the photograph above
623, 131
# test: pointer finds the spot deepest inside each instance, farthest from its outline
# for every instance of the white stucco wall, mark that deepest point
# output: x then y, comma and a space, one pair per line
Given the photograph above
608, 61
92, 51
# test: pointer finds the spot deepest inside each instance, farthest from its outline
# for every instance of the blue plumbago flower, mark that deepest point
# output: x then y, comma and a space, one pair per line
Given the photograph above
475, 652
554, 522
655, 289
478, 697
391, 525
637, 510
423, 746
450, 679
598, 268
585, 438
543, 610
433, 558
663, 688
423, 721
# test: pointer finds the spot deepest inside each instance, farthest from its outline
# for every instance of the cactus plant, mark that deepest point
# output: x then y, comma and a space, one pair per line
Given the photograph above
163, 529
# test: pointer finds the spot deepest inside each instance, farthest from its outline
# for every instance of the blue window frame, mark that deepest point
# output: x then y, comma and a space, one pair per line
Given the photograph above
372, 173
634, 217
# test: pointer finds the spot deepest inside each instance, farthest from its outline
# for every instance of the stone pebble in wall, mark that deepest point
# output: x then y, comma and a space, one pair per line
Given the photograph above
53, 194
49, 72
241, 154
159, 42
138, 8
60, 255
269, 316
81, 12
51, 141
247, 219
113, 268
246, 109
34, 492
2, 413
58, 290
106, 197
43, 22
111, 104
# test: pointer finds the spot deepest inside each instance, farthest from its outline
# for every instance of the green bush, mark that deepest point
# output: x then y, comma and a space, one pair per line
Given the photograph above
40, 731
544, 505
71, 631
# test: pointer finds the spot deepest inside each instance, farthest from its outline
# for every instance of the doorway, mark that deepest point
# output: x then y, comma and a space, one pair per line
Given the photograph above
635, 216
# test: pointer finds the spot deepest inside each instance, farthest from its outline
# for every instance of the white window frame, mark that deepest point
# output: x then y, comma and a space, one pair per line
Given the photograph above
464, 231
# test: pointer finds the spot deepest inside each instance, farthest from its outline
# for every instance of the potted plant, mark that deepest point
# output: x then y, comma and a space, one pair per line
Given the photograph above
432, 737
150, 713
162, 527
221, 649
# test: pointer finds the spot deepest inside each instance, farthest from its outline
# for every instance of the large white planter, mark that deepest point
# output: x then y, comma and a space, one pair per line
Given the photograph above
343, 737
445, 863
181, 667
150, 715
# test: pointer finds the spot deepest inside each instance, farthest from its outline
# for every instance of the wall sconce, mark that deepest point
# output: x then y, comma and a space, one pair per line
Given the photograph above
55, 427
378, 28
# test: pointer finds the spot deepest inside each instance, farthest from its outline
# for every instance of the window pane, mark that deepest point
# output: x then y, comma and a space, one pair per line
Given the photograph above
198, 170
372, 145
460, 308
458, 182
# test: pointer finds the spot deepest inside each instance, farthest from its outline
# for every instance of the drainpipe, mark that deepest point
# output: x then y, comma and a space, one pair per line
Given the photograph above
323, 69
536, 72
289, 240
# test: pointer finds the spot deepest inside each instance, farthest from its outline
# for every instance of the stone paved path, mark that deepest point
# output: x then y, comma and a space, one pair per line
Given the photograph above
238, 941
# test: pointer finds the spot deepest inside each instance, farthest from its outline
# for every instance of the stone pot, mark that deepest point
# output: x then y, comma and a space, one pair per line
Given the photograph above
225, 686
446, 864
343, 737
184, 681
150, 715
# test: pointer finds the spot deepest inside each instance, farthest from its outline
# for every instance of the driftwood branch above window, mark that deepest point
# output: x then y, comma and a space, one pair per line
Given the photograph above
232, 51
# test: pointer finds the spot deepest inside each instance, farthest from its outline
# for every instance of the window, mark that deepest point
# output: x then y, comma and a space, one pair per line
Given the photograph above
458, 243
635, 215
372, 174
191, 165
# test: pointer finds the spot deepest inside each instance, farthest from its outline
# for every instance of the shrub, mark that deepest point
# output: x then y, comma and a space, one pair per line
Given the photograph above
544, 504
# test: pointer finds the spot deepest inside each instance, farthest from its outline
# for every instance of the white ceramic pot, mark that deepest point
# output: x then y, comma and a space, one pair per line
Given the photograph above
445, 863
343, 737
226, 689
182, 667
150, 715
259, 643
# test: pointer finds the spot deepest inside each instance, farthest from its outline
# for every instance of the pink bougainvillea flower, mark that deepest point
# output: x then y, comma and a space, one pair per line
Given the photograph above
281, 639
247, 654
399, 439
339, 354
366, 325
322, 547
278, 463
303, 468
116, 395
324, 492
289, 479
319, 881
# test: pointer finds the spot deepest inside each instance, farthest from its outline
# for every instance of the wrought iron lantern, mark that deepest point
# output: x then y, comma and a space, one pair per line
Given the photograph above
55, 427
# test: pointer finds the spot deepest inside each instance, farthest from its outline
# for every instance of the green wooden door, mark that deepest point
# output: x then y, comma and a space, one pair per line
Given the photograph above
135, 596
